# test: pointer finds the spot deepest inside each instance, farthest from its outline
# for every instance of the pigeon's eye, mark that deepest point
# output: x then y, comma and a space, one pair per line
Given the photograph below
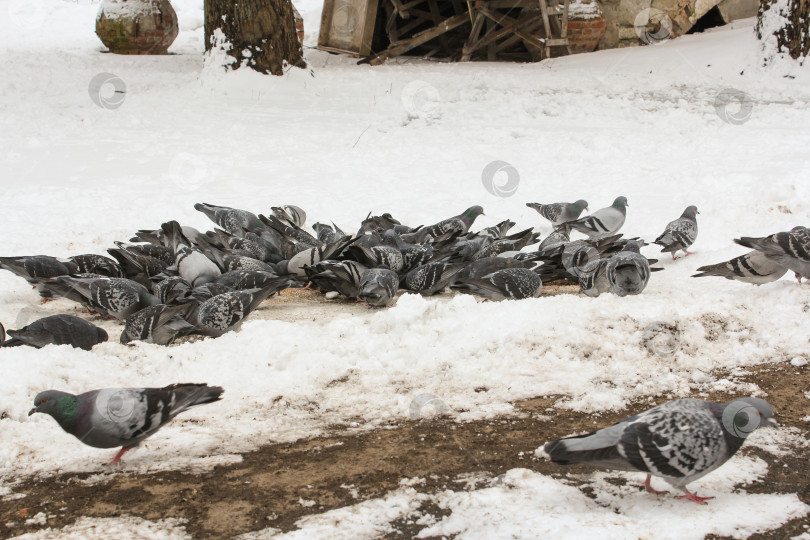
43, 401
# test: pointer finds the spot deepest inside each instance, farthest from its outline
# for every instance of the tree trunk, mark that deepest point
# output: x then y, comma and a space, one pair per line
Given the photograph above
259, 34
788, 22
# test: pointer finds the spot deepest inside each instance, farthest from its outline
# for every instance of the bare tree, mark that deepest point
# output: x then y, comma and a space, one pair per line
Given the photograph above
261, 33
789, 22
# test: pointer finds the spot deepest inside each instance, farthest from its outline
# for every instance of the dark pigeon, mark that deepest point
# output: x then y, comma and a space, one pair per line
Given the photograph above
37, 268
113, 297
431, 278
378, 286
507, 284
160, 324
628, 271
57, 330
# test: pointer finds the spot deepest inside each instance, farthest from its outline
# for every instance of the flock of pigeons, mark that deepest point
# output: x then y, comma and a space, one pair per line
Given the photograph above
176, 281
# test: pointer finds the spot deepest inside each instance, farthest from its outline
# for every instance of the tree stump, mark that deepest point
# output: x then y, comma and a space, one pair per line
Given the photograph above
261, 34
788, 22
137, 26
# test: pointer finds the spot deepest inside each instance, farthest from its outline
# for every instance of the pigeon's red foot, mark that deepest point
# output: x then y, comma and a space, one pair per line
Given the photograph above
307, 287
46, 300
119, 455
673, 256
650, 489
689, 253
694, 497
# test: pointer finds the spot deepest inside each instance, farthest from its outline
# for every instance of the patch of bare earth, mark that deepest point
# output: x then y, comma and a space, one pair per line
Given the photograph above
268, 487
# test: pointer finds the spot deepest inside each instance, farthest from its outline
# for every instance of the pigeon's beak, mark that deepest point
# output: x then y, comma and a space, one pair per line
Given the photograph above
770, 422
32, 411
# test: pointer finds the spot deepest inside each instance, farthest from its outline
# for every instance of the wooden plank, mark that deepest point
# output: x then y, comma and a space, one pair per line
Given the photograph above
495, 36
491, 47
466, 51
437, 19
420, 38
500, 18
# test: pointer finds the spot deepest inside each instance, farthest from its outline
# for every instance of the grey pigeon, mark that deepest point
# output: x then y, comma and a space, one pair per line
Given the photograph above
593, 279
628, 271
113, 297
413, 255
207, 291
456, 225
341, 276
680, 234
507, 284
679, 441
56, 330
225, 312
604, 222
327, 233
791, 249
387, 257
97, 264
557, 238
559, 213
37, 268
290, 214
431, 278
753, 267
233, 220
138, 266
489, 265
314, 255
378, 286
124, 417
239, 280
160, 324
192, 265
171, 289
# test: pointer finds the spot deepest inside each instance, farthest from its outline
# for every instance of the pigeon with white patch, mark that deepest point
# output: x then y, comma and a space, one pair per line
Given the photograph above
604, 222
160, 324
628, 271
290, 214
680, 233
559, 213
56, 330
679, 441
124, 417
112, 297
378, 286
754, 267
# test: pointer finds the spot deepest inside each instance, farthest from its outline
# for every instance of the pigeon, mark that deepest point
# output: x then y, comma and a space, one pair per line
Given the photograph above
791, 249
171, 289
314, 255
138, 266
387, 257
593, 279
753, 267
56, 330
489, 265
290, 215
680, 441
232, 220
113, 297
679, 234
378, 286
431, 278
239, 280
341, 276
559, 213
451, 226
628, 271
160, 324
558, 237
506, 284
37, 268
97, 264
604, 222
413, 255
124, 417
225, 312
209, 290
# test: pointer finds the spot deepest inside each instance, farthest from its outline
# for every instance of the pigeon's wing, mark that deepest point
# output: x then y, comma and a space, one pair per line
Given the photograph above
60, 330
678, 235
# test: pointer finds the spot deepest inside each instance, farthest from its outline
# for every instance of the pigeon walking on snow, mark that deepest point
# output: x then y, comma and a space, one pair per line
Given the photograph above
753, 267
680, 233
124, 417
604, 222
628, 271
559, 213
56, 330
679, 441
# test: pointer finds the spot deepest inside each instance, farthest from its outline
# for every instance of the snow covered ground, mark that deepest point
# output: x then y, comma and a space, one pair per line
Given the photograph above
413, 138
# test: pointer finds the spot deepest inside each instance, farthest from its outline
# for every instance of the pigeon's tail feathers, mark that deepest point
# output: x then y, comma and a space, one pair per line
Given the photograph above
174, 233
187, 395
596, 447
